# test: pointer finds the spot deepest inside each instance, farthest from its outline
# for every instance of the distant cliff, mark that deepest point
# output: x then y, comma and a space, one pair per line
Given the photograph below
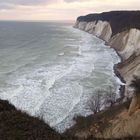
121, 31
118, 20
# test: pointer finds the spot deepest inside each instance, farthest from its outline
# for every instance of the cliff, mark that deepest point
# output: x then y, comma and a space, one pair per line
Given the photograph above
118, 20
121, 31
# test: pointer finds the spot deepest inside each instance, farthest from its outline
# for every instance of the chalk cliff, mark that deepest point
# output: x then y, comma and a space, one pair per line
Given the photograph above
121, 31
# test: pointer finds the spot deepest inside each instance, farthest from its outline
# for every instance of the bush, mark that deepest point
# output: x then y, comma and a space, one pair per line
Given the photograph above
102, 99
135, 83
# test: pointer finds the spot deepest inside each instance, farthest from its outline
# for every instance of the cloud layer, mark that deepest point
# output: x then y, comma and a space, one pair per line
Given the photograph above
9, 4
60, 9
24, 2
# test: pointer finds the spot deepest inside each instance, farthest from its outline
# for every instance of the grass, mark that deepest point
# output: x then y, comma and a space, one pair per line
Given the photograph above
101, 119
17, 125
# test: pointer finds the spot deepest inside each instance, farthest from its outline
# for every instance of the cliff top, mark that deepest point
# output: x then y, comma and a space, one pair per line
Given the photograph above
119, 20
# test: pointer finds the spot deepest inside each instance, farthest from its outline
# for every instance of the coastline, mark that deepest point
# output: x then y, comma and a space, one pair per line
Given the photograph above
124, 44
102, 118
118, 74
115, 67
122, 34
116, 70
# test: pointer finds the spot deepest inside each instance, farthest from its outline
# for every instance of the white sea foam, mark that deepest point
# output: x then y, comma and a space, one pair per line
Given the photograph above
60, 73
61, 54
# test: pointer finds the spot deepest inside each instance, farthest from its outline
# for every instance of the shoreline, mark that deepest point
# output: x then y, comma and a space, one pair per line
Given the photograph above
118, 74
115, 67
116, 71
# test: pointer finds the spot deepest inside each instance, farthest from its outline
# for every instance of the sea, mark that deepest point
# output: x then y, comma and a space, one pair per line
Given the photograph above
51, 70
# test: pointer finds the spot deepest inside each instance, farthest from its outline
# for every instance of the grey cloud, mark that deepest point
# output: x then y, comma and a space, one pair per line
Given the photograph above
24, 2
9, 4
5, 6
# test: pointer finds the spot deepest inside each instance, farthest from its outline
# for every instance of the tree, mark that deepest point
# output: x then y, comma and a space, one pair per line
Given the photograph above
101, 99
96, 101
110, 97
135, 103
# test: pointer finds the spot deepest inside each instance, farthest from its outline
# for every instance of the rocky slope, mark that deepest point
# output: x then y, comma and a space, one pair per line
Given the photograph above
121, 31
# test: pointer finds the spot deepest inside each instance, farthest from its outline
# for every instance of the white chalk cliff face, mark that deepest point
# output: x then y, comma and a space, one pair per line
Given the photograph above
101, 29
126, 43
129, 43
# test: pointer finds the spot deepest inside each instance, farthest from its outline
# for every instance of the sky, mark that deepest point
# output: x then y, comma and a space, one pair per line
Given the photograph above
60, 9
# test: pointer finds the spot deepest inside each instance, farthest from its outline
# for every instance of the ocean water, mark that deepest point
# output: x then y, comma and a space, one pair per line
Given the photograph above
51, 70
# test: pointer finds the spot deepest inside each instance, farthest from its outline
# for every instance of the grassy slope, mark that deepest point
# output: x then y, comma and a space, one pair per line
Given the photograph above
113, 122
16, 125
98, 122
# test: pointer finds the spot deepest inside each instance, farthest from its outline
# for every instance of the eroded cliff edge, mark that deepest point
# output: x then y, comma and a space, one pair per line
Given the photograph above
121, 31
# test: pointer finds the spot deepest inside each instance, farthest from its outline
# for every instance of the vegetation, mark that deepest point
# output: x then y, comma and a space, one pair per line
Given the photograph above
17, 125
98, 121
135, 84
102, 99
135, 104
119, 20
96, 102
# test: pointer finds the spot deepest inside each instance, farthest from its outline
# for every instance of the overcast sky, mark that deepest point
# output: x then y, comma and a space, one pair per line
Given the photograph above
60, 9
